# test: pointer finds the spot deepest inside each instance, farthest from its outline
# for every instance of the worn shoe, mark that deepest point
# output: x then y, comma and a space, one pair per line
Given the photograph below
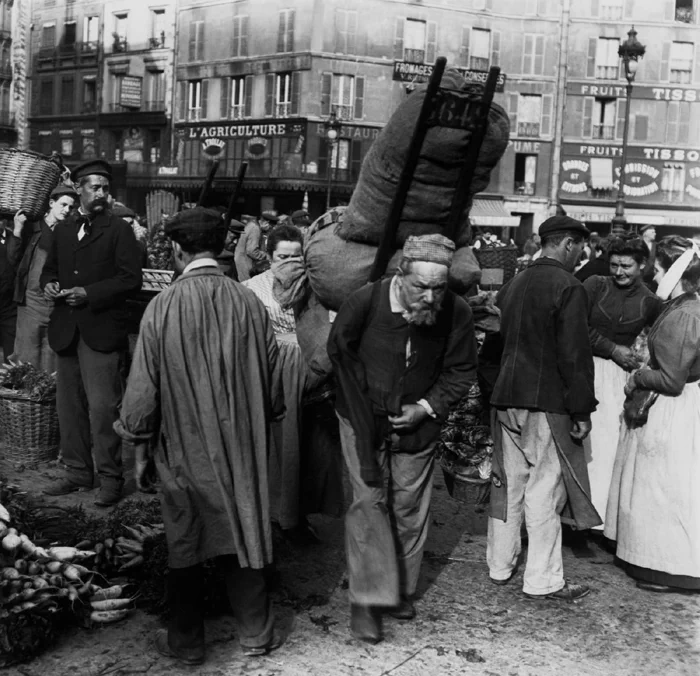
500, 583
65, 487
108, 496
190, 657
274, 643
569, 592
366, 624
404, 611
663, 588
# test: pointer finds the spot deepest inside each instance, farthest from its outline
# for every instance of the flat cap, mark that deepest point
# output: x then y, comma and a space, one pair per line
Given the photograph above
122, 211
558, 224
196, 220
62, 189
301, 216
430, 249
91, 168
271, 216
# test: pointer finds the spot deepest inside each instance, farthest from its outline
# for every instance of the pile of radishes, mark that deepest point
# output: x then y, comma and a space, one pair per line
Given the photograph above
46, 580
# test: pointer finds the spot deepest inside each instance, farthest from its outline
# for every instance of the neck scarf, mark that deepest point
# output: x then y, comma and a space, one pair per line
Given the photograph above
675, 272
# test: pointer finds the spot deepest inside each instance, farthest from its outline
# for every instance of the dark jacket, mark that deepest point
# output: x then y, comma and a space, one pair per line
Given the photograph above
547, 362
367, 347
40, 234
106, 263
11, 249
598, 266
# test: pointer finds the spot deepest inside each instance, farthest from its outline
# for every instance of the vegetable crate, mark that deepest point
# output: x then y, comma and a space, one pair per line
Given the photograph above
29, 429
156, 280
498, 265
474, 493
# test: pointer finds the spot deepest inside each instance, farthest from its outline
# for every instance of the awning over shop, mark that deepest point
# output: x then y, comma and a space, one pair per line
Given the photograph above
601, 174
492, 213
604, 214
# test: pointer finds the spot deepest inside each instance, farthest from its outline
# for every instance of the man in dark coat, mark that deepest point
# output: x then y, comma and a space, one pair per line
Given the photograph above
404, 352
544, 396
91, 269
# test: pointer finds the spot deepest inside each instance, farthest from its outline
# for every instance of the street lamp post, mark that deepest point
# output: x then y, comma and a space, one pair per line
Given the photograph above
332, 128
630, 51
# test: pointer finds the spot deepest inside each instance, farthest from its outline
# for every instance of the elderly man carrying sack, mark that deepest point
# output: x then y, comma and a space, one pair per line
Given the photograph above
404, 351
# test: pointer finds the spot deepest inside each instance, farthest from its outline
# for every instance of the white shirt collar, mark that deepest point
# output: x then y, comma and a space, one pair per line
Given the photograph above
200, 263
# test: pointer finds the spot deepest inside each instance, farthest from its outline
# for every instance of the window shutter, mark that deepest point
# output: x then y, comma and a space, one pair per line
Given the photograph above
587, 129
205, 99
620, 121
629, 9
351, 26
236, 35
513, 112
359, 97
225, 98
290, 30
684, 122
244, 35
191, 52
269, 94
281, 31
665, 56
356, 159
539, 55
495, 48
326, 88
672, 122
199, 54
431, 48
296, 92
696, 74
398, 39
595, 8
181, 99
546, 120
527, 54
341, 17
641, 127
466, 32
590, 61
248, 112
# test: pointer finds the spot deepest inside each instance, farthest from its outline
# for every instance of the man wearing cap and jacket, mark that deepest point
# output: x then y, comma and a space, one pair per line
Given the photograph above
92, 267
250, 256
33, 310
404, 352
542, 400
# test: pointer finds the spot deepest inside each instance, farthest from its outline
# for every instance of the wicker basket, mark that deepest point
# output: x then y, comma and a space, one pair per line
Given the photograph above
498, 265
29, 429
26, 181
156, 280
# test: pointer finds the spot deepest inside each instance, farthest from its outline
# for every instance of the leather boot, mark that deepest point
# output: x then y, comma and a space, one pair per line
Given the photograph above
366, 623
404, 611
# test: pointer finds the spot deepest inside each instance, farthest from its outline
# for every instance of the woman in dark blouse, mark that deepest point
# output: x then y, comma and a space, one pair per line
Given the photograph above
654, 505
620, 308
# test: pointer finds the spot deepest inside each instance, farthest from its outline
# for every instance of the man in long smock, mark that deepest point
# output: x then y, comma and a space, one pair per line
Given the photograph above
403, 350
206, 370
544, 396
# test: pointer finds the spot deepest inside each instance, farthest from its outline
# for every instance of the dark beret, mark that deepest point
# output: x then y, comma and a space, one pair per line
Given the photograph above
559, 224
62, 189
270, 216
301, 215
193, 221
122, 211
90, 168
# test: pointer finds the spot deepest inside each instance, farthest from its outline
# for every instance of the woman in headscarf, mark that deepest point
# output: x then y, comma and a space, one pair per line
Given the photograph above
620, 308
654, 504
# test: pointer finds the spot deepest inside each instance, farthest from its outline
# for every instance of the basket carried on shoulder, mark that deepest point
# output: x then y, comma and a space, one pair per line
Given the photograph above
26, 181
29, 429
498, 265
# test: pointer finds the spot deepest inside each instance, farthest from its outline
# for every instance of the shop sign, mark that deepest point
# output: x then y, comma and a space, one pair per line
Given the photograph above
213, 147
257, 148
406, 71
351, 131
575, 176
527, 147
647, 92
633, 152
130, 92
641, 180
254, 128
167, 171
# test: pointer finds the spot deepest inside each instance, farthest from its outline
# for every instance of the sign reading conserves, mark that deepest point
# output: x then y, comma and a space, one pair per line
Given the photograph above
619, 91
405, 71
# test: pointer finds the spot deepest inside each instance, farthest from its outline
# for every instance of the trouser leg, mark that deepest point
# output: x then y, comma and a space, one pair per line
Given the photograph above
185, 593
73, 419
250, 602
410, 492
27, 339
503, 540
8, 328
102, 377
369, 543
545, 496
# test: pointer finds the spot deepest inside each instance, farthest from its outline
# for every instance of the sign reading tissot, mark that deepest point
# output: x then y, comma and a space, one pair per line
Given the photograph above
647, 92
405, 71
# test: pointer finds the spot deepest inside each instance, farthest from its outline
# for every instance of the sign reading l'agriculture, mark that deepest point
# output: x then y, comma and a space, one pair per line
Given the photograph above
131, 91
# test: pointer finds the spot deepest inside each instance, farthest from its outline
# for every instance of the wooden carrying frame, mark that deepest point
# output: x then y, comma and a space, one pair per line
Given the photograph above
441, 108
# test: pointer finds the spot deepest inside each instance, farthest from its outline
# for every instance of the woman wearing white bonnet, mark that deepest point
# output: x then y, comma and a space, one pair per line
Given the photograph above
654, 503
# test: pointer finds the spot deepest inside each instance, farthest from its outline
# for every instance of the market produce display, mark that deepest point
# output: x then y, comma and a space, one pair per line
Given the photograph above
159, 249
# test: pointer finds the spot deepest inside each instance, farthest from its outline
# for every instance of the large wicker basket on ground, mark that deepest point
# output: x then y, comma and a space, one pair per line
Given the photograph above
28, 429
26, 181
498, 265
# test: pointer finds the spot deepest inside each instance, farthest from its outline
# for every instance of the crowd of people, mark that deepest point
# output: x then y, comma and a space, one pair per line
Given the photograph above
595, 401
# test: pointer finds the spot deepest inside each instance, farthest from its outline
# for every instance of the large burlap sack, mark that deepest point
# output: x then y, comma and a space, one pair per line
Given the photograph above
428, 203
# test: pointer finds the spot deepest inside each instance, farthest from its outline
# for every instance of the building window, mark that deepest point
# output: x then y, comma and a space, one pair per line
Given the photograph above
684, 11
611, 10
116, 91
196, 47
343, 96
673, 181
641, 127
154, 141
46, 97
604, 115
415, 40
89, 95
240, 35
157, 28
48, 35
67, 95
119, 43
525, 174
480, 49
533, 55
601, 176
285, 35
194, 100
155, 90
45, 143
283, 95
678, 115
237, 98
607, 60
69, 34
345, 31
681, 62
66, 147
91, 32
529, 114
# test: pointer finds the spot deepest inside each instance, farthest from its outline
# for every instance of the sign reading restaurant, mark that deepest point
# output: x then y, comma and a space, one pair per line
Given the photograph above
405, 71
648, 92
